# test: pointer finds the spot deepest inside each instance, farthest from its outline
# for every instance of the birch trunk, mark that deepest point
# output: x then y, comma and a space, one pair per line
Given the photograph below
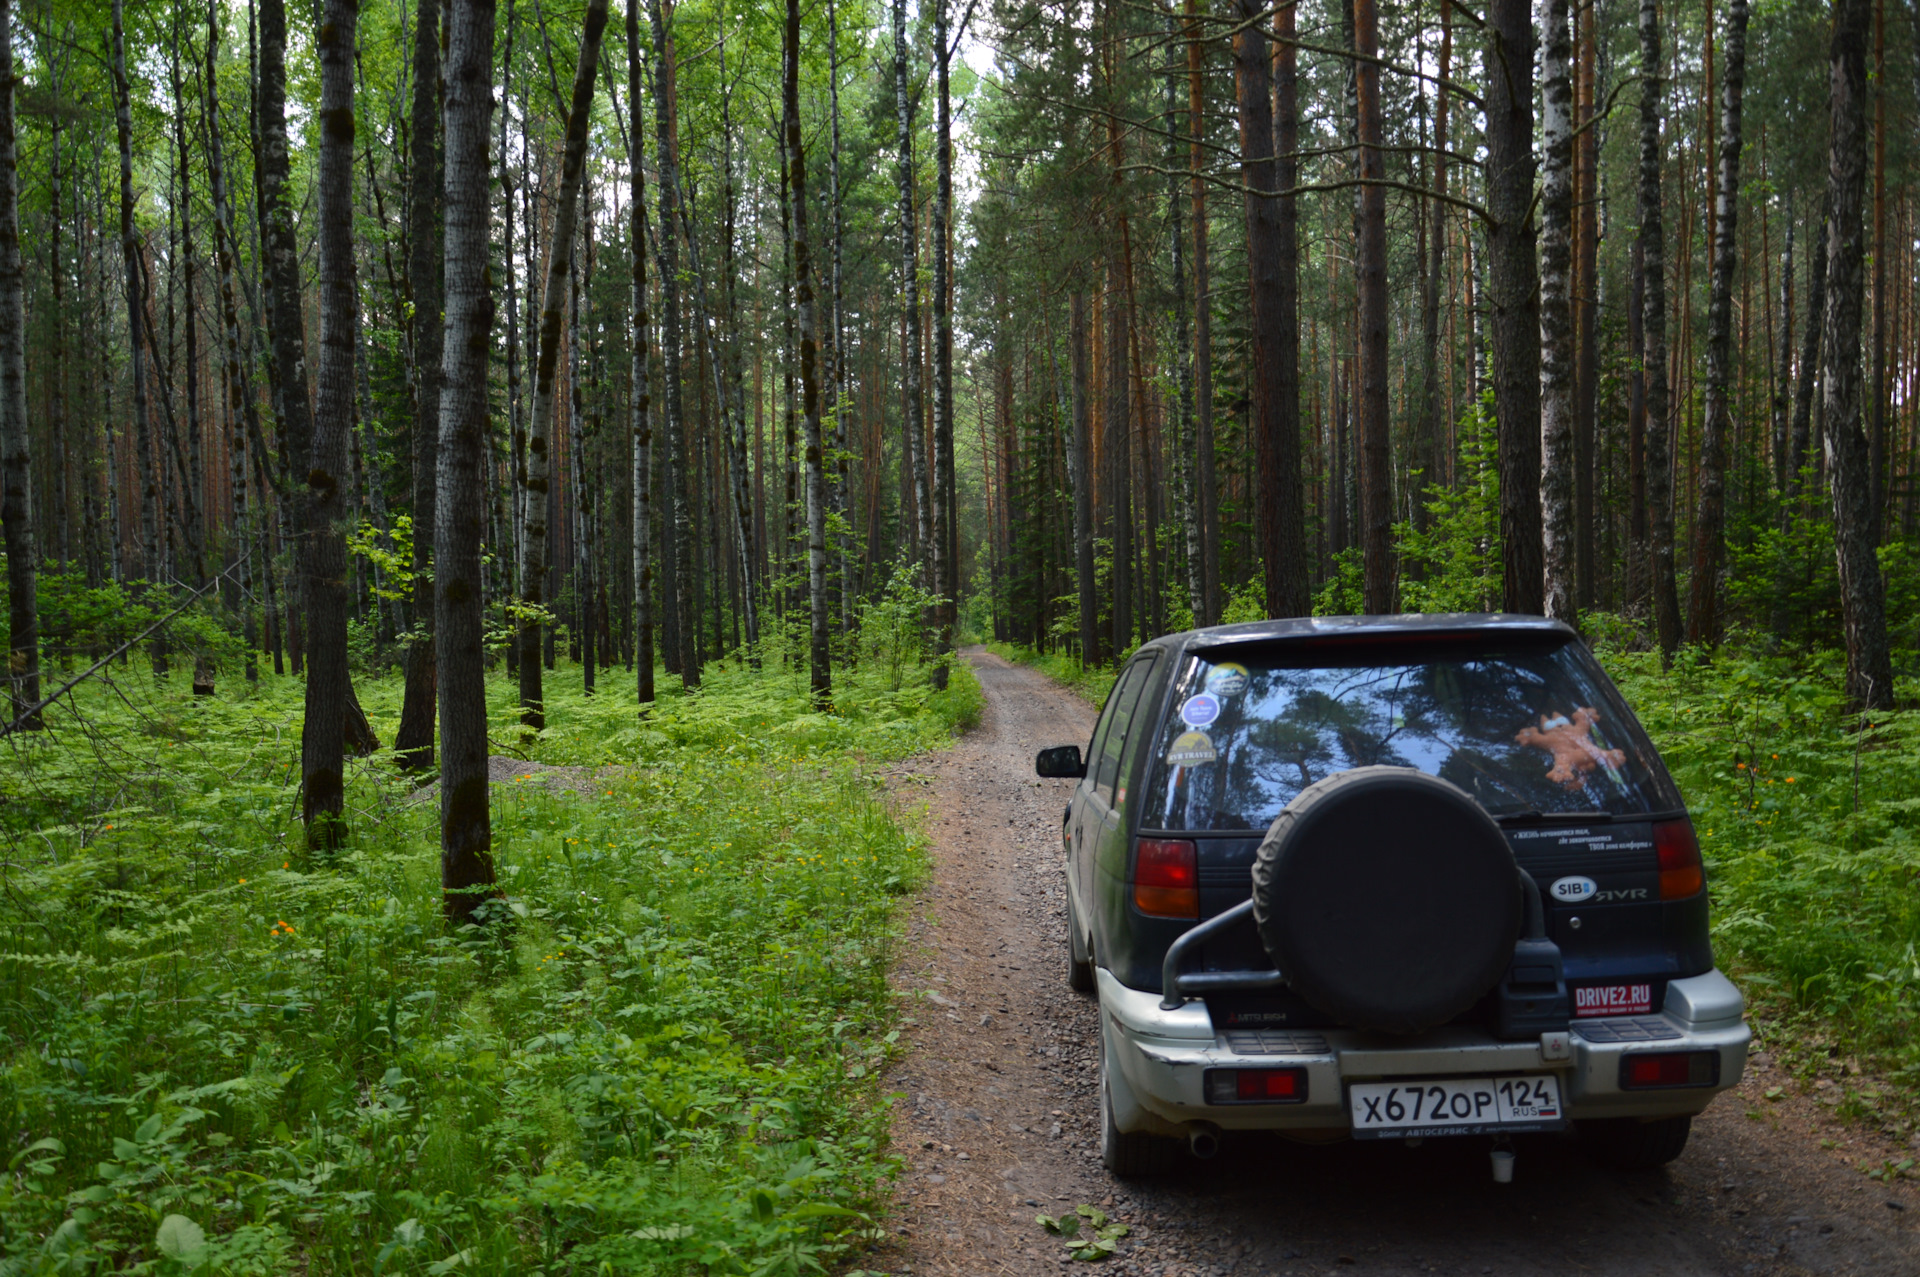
1560, 554
540, 426
1208, 496
413, 741
1709, 525
1862, 592
946, 585
910, 285
1783, 368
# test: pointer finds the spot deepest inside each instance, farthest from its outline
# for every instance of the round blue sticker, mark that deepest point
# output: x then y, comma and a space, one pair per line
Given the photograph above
1200, 710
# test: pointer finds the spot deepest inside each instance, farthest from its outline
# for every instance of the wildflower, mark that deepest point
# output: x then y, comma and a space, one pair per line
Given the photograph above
1789, 780
243, 882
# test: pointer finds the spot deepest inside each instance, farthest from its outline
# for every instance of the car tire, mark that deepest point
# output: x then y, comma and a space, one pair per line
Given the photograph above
1129, 1154
1628, 1144
1079, 953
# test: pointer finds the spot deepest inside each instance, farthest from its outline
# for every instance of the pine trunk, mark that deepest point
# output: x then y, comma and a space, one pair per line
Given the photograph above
1653, 251
916, 452
1709, 525
640, 399
1079, 459
1862, 592
946, 585
1513, 298
677, 543
133, 270
16, 472
1370, 267
1208, 494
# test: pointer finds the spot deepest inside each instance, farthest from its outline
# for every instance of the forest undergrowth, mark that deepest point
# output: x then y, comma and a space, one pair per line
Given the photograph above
221, 1054
1809, 820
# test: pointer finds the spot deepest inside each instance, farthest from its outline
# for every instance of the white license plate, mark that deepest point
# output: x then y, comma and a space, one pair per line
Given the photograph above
1455, 1106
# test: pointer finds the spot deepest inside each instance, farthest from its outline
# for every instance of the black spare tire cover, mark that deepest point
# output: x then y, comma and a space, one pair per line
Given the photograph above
1388, 898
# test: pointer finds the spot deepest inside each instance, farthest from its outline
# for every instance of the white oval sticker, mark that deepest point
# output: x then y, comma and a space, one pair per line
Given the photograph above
1573, 890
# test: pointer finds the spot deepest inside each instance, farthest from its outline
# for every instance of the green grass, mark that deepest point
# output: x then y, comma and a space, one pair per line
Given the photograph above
1091, 681
220, 1055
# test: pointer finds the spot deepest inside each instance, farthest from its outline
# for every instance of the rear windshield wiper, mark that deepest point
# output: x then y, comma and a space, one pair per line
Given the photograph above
1530, 815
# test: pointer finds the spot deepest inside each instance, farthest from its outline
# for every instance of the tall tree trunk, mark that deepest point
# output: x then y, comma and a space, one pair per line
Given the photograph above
137, 345
1862, 592
1208, 494
324, 491
1513, 299
540, 427
1559, 554
910, 285
1376, 496
1079, 459
820, 675
640, 400
1876, 390
677, 543
16, 465
1275, 359
413, 741
1782, 389
1586, 309
1800, 434
946, 563
193, 477
1180, 446
842, 398
462, 457
1637, 574
1709, 525
1434, 412
1653, 251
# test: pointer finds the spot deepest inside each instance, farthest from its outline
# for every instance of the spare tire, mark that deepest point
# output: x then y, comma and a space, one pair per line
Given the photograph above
1388, 899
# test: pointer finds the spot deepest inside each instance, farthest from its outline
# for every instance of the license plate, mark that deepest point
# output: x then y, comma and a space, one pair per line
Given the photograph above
1455, 1106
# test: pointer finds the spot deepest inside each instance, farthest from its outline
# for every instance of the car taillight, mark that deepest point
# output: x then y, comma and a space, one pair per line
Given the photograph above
1661, 1070
1256, 1086
1166, 878
1681, 874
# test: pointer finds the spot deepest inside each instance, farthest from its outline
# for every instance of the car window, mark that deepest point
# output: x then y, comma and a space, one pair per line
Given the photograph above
1522, 726
1105, 763
1136, 739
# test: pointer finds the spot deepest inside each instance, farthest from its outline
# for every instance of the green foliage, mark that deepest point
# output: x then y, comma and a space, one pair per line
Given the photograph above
893, 626
1085, 1232
218, 1055
1454, 565
1809, 822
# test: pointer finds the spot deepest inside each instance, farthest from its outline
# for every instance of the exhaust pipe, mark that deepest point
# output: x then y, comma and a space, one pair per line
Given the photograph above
1203, 1140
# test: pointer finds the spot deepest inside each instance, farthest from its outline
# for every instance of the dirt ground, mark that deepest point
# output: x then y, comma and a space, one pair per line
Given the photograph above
997, 1119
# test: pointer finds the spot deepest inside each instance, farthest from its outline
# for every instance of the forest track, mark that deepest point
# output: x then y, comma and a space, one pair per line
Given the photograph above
997, 1119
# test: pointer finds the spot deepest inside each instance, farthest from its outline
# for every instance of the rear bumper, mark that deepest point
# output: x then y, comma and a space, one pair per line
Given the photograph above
1157, 1059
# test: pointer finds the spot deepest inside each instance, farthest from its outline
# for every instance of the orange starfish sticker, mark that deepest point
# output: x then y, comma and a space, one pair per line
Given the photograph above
1570, 741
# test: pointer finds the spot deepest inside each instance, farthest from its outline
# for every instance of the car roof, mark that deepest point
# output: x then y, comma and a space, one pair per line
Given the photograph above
1399, 625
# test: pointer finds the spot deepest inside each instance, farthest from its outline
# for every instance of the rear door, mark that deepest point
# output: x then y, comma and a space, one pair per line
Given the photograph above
1100, 813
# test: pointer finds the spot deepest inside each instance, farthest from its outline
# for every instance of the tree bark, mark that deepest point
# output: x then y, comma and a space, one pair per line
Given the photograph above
1653, 250
1433, 412
1637, 573
1862, 592
1079, 459
1709, 525
1208, 495
413, 741
1513, 298
1370, 267
16, 463
540, 428
910, 285
682, 647
946, 584
1783, 369
1586, 309
640, 400
1180, 447
324, 490
820, 674
133, 269
466, 838
1560, 557
1275, 372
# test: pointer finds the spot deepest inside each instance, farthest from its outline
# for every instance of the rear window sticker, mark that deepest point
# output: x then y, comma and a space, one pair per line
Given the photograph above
1570, 741
1200, 710
1190, 749
1229, 679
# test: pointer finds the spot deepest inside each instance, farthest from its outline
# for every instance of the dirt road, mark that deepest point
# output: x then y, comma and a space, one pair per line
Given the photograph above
997, 1123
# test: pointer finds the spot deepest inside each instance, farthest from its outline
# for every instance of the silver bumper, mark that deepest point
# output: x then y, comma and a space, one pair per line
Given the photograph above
1158, 1056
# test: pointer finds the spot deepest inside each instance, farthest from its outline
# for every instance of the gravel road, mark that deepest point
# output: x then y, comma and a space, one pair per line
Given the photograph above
997, 1117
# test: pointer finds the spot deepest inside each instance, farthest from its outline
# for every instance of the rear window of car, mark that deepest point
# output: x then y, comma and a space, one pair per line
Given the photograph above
1523, 726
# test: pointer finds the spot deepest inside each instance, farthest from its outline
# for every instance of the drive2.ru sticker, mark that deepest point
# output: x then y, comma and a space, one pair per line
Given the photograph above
1613, 999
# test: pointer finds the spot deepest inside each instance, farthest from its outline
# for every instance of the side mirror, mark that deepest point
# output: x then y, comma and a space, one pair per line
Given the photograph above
1062, 762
